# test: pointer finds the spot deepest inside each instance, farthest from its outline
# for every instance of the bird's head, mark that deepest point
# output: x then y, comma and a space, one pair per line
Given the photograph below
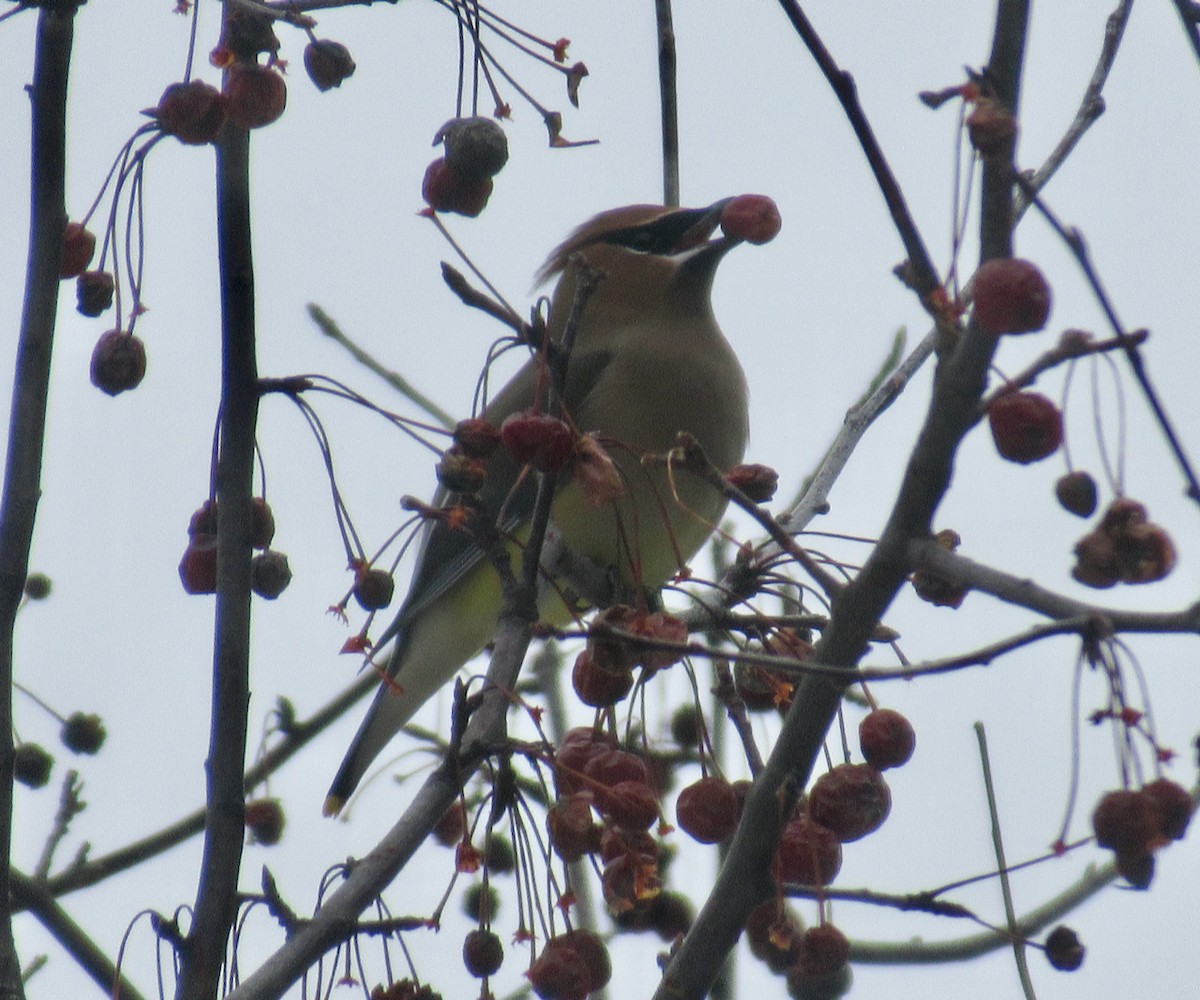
647, 238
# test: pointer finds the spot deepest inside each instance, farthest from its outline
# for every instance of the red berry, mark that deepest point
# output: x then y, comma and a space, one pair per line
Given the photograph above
483, 954
571, 758
446, 190
193, 112
94, 292
265, 821
1076, 492
449, 829
632, 805
118, 362
538, 439
887, 738
808, 853
373, 589
1127, 822
78, 247
824, 950
262, 523
573, 831
751, 217
255, 95
773, 934
270, 573
83, 733
608, 767
707, 810
204, 519
1135, 867
596, 686
758, 482
851, 799
592, 950
1011, 296
560, 973
1174, 806
198, 567
1064, 949
1026, 426
328, 63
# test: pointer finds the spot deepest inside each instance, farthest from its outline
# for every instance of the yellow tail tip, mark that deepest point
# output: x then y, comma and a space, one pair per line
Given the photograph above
332, 806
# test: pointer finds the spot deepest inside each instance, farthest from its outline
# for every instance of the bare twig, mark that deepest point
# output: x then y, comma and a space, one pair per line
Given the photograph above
27, 418
397, 381
668, 100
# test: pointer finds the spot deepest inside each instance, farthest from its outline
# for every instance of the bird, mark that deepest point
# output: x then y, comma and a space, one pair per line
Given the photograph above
648, 361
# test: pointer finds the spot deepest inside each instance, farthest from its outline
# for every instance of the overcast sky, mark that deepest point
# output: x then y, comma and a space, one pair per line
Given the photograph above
337, 188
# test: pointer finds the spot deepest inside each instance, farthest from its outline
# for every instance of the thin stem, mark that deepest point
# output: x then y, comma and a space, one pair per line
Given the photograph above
668, 97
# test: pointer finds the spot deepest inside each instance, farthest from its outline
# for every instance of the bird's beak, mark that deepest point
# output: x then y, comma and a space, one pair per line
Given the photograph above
697, 240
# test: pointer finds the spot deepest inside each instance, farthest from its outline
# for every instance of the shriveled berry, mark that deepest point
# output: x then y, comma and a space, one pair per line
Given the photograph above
1126, 821
118, 362
578, 746
608, 767
707, 810
887, 738
596, 473
78, 247
1026, 426
936, 588
255, 95
94, 292
597, 686
83, 733
823, 950
328, 63
483, 954
758, 482
475, 147
851, 799
1136, 868
669, 915
1011, 296
204, 519
632, 805
32, 765
1076, 492
773, 934
193, 112
808, 853
801, 985
198, 567
262, 523
1064, 950
573, 830
560, 973
991, 128
476, 437
592, 950
270, 573
751, 217
373, 589
460, 473
449, 829
265, 821
538, 439
1174, 807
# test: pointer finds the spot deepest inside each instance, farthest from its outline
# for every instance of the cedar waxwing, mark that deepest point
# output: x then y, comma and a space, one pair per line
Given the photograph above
648, 362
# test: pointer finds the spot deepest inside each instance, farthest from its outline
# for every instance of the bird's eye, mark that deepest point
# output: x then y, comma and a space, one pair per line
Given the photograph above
642, 241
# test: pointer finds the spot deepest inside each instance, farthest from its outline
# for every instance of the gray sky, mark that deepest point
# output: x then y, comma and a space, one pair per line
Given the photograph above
337, 188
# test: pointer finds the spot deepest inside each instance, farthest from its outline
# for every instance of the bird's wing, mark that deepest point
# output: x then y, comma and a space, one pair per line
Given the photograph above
447, 554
